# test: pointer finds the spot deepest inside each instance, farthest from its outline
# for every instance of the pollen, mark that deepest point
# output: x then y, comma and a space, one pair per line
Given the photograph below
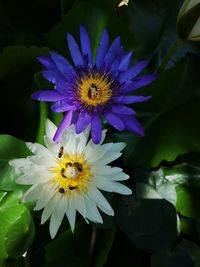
94, 89
72, 174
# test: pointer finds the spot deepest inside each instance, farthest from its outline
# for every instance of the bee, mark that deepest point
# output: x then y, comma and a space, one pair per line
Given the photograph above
72, 187
63, 173
78, 166
61, 151
61, 190
93, 92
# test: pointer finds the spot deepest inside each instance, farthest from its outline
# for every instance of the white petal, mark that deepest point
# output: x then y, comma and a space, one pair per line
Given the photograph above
57, 217
92, 212
95, 152
50, 129
38, 149
33, 193
70, 140
35, 178
51, 145
49, 208
100, 200
79, 205
111, 186
46, 194
71, 214
41, 162
112, 153
113, 174
83, 140
18, 163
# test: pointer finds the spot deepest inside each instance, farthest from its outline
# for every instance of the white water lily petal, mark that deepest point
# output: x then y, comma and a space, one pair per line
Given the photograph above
112, 186
79, 205
50, 128
92, 212
49, 208
71, 215
57, 217
51, 145
101, 201
32, 193
46, 194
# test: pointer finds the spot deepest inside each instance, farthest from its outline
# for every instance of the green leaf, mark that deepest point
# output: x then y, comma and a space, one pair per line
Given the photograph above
8, 177
151, 224
171, 130
16, 226
15, 58
157, 26
180, 256
106, 240
186, 179
69, 246
187, 201
10, 148
155, 186
96, 16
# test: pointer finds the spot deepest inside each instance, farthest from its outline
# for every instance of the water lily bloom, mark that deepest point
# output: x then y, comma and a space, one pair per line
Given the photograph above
89, 90
66, 177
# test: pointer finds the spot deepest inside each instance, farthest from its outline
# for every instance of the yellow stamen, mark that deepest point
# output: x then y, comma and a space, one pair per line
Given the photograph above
72, 174
94, 89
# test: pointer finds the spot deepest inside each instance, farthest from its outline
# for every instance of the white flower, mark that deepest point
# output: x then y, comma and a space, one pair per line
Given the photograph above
66, 177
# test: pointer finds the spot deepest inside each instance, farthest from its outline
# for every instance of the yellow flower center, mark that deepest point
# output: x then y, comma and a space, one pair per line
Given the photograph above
94, 89
72, 174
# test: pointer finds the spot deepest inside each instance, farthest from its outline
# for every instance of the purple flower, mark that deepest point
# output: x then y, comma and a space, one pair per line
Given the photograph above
91, 89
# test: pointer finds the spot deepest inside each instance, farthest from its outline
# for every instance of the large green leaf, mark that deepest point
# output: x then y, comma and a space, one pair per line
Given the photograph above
151, 224
16, 226
69, 246
153, 185
179, 257
10, 148
95, 17
186, 178
171, 129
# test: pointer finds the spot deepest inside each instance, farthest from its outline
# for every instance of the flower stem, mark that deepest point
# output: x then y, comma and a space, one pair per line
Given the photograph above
92, 243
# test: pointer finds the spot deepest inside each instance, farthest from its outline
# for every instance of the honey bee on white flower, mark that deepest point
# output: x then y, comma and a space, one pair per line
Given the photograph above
65, 177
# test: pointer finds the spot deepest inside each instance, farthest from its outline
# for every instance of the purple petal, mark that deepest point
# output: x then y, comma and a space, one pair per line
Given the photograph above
83, 121
74, 51
132, 124
133, 71
129, 99
140, 82
65, 123
102, 49
96, 129
112, 52
85, 44
116, 61
47, 96
63, 65
114, 120
121, 109
125, 62
57, 79
61, 106
47, 62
